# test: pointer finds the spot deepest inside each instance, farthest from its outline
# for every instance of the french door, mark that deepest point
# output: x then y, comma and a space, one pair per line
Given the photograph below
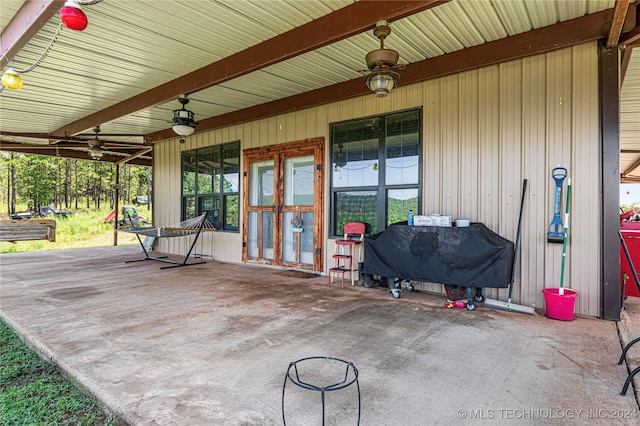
283, 199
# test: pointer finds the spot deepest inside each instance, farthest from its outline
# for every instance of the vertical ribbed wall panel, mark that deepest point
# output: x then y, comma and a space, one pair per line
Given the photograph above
585, 230
558, 142
484, 131
468, 188
489, 149
509, 148
431, 147
450, 143
529, 277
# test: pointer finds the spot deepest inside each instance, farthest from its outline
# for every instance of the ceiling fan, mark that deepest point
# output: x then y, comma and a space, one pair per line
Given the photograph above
381, 77
183, 120
96, 150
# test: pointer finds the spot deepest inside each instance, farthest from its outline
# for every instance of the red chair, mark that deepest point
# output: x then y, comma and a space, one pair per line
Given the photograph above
343, 259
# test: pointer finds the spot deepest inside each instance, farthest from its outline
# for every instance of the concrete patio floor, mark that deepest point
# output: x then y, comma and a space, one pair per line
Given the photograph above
210, 344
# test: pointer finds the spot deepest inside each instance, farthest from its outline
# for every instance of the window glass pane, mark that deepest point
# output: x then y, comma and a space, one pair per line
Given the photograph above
204, 172
231, 212
209, 170
298, 181
189, 173
354, 150
210, 202
231, 167
261, 183
402, 142
399, 202
354, 206
189, 207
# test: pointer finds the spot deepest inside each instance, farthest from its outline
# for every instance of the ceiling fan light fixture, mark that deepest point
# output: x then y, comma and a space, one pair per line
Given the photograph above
381, 77
183, 129
73, 17
95, 146
11, 79
382, 82
96, 153
183, 120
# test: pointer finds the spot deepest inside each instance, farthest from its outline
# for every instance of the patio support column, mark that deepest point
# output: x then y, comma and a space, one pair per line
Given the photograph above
116, 196
611, 301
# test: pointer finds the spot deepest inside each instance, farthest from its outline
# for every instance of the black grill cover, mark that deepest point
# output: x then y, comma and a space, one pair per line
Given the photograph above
473, 256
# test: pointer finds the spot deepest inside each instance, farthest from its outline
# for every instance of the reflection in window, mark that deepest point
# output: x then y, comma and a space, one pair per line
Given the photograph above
298, 182
210, 180
355, 206
375, 166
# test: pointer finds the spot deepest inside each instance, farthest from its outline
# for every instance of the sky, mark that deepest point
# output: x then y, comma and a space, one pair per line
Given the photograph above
629, 194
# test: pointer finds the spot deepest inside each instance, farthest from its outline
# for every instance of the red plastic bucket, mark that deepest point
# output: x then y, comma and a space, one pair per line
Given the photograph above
560, 306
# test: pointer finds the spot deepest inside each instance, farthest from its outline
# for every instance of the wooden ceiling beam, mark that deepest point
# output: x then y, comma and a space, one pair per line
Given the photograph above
630, 169
341, 24
137, 159
630, 38
32, 16
617, 21
553, 37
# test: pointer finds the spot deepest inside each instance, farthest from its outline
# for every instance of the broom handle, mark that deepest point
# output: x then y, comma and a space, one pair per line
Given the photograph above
515, 253
564, 239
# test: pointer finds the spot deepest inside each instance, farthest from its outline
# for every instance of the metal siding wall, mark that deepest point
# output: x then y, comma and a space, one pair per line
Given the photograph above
449, 119
468, 185
431, 147
584, 240
535, 219
484, 131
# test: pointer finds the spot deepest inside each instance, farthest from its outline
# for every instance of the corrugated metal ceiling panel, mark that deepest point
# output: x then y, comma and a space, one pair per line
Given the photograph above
124, 54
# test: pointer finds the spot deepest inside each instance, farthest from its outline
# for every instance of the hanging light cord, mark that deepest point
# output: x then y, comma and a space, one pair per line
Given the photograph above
42, 56
53, 40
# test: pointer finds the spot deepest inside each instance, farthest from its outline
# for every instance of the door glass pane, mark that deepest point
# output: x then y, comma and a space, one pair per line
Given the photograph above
399, 202
253, 245
306, 239
355, 206
298, 181
354, 153
267, 235
261, 183
297, 238
402, 143
252, 235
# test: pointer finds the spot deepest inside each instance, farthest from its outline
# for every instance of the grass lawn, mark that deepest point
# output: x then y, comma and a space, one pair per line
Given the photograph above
86, 229
35, 393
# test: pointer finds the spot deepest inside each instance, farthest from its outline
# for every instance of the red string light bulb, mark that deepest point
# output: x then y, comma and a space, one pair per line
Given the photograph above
73, 17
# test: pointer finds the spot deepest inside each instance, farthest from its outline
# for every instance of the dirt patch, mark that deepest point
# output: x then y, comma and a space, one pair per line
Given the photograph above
74, 293
296, 274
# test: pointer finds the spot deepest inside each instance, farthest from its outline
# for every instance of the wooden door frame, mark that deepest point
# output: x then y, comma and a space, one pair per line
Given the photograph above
276, 152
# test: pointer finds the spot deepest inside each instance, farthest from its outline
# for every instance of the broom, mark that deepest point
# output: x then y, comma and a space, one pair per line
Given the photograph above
508, 306
565, 233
